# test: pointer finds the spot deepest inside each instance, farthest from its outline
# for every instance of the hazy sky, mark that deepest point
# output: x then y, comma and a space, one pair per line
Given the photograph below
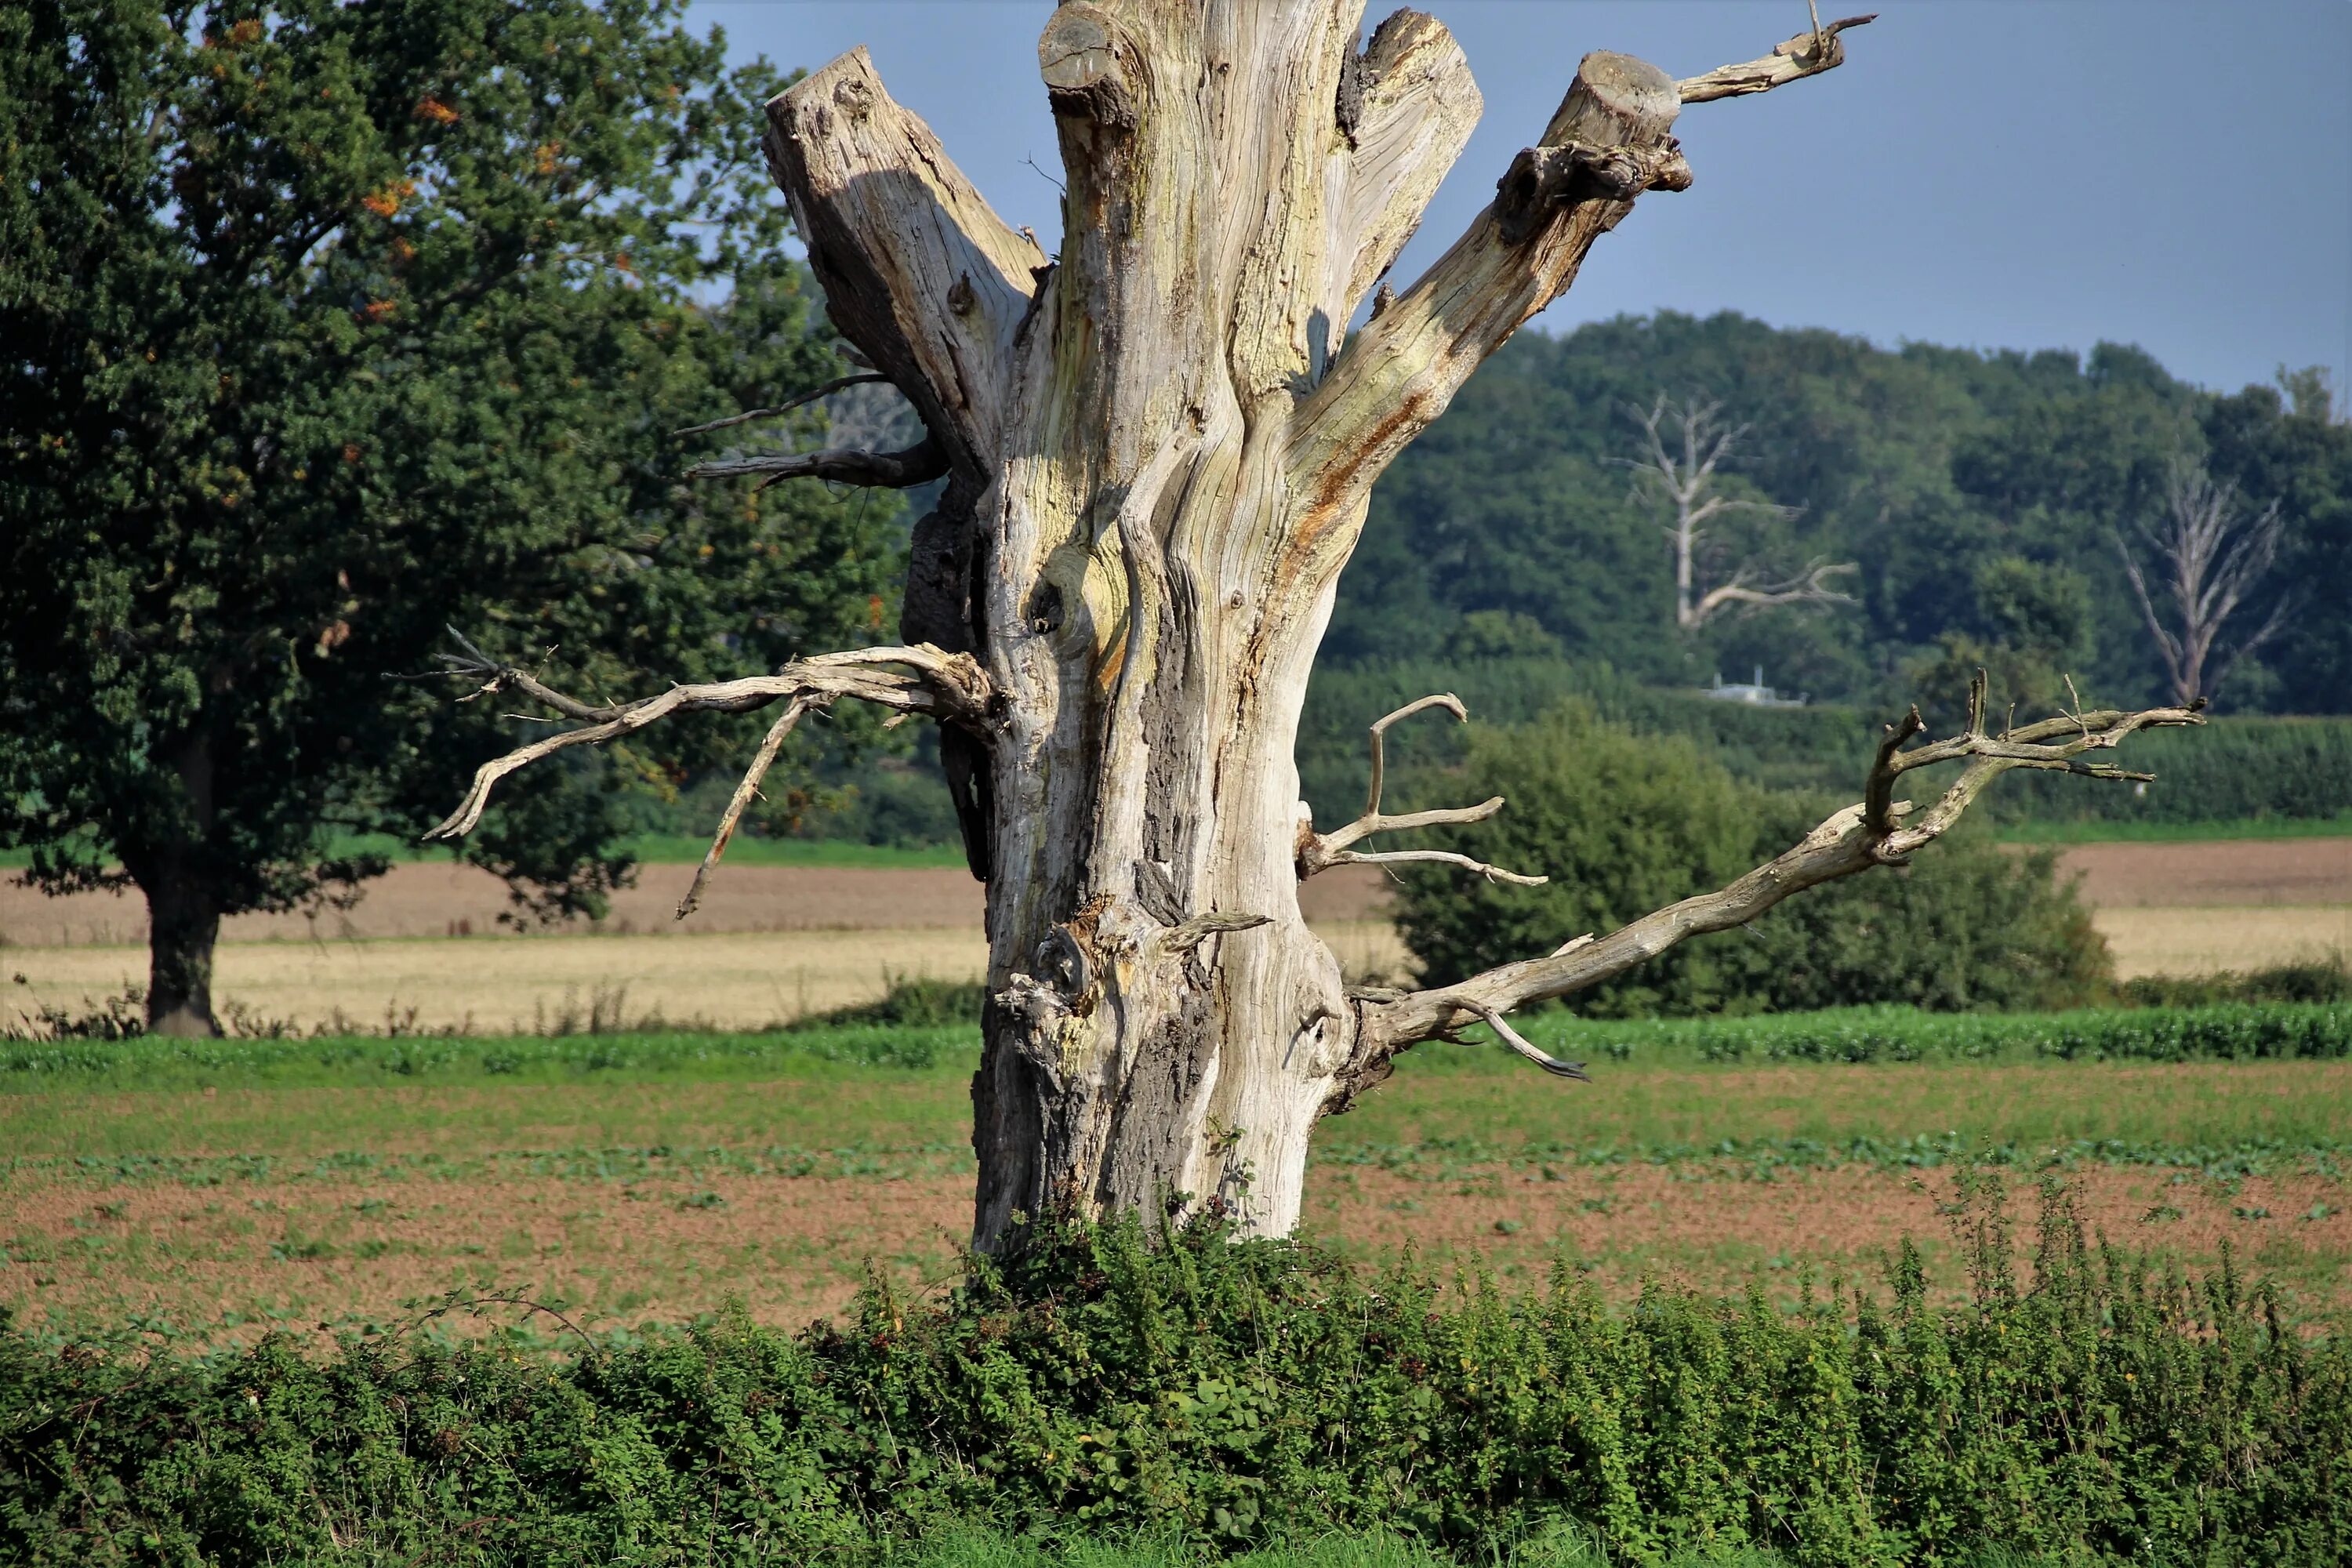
1987, 173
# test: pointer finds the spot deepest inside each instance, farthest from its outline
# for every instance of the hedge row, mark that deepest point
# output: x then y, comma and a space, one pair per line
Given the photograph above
2233, 769
1232, 1394
2316, 1031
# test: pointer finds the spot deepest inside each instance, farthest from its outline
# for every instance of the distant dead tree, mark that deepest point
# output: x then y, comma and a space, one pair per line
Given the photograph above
1686, 482
2211, 554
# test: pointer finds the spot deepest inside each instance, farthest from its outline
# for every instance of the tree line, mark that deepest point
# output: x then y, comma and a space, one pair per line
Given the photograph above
1883, 519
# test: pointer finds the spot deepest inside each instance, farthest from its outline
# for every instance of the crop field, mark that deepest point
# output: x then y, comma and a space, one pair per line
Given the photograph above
227, 1187
774, 942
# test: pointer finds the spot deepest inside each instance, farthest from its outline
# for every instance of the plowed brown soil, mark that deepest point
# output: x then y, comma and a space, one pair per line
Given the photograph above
793, 1248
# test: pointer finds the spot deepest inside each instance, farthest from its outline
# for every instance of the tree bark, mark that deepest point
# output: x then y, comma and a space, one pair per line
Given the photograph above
1159, 445
183, 925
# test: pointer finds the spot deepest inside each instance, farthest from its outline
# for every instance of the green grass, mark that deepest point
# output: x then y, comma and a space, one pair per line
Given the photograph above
905, 1093
2129, 831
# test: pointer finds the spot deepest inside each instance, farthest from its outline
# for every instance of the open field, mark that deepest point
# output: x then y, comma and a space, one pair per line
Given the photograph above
771, 942
655, 1195
2192, 941
747, 979
438, 898
493, 984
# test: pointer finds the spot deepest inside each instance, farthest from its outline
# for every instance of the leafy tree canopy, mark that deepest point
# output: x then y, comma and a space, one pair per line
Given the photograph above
327, 324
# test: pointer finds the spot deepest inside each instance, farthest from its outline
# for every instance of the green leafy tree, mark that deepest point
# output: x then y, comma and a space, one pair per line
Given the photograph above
328, 324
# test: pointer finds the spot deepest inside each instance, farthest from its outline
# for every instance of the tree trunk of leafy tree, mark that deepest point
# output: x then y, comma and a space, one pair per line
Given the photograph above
1158, 443
182, 924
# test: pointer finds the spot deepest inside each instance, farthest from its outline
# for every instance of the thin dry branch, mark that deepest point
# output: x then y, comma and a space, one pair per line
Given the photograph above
1877, 830
920, 679
1809, 53
1526, 1048
1436, 857
839, 384
918, 464
1319, 851
761, 760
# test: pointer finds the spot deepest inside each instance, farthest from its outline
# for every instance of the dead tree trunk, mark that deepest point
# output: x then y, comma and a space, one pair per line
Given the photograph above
1158, 445
1686, 482
2211, 554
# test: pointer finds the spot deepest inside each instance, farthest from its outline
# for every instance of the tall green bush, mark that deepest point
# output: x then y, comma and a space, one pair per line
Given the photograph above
1624, 823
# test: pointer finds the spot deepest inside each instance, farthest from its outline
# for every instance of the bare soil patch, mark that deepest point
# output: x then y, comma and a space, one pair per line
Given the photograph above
795, 1249
2236, 872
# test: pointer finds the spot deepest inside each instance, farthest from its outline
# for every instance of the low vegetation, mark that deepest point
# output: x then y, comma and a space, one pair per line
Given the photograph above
1232, 1396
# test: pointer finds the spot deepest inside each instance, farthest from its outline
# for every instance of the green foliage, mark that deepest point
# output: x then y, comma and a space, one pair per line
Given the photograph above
158, 1062
2192, 1030
1625, 823
913, 1001
1955, 479
1225, 1396
2311, 980
330, 324
2233, 769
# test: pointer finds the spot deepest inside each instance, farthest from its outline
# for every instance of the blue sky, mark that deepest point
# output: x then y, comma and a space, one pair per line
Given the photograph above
1996, 173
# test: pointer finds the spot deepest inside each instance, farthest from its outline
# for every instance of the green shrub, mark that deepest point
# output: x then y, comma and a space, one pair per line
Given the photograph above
911, 1001
1624, 823
2313, 980
1225, 1395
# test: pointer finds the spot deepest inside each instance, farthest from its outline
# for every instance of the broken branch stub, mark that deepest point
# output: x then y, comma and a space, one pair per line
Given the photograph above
1318, 852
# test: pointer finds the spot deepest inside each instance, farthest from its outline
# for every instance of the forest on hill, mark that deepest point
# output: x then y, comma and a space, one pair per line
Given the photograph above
1979, 499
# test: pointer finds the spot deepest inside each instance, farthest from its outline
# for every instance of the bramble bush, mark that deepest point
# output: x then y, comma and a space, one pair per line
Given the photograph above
1115, 1380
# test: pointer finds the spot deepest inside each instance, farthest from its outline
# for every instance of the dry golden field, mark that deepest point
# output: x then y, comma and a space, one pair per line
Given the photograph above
532, 984
775, 942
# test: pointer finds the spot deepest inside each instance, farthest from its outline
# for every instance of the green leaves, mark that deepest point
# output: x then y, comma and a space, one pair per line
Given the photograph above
334, 323
1221, 1396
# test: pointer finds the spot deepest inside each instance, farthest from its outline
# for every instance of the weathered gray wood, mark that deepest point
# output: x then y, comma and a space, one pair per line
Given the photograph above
1162, 449
1157, 449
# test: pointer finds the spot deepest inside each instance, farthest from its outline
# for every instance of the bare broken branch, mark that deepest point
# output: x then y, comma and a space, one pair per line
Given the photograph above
920, 679
1608, 143
762, 760
1521, 1043
839, 384
918, 464
1442, 856
1877, 830
1809, 53
1810, 587
1317, 852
